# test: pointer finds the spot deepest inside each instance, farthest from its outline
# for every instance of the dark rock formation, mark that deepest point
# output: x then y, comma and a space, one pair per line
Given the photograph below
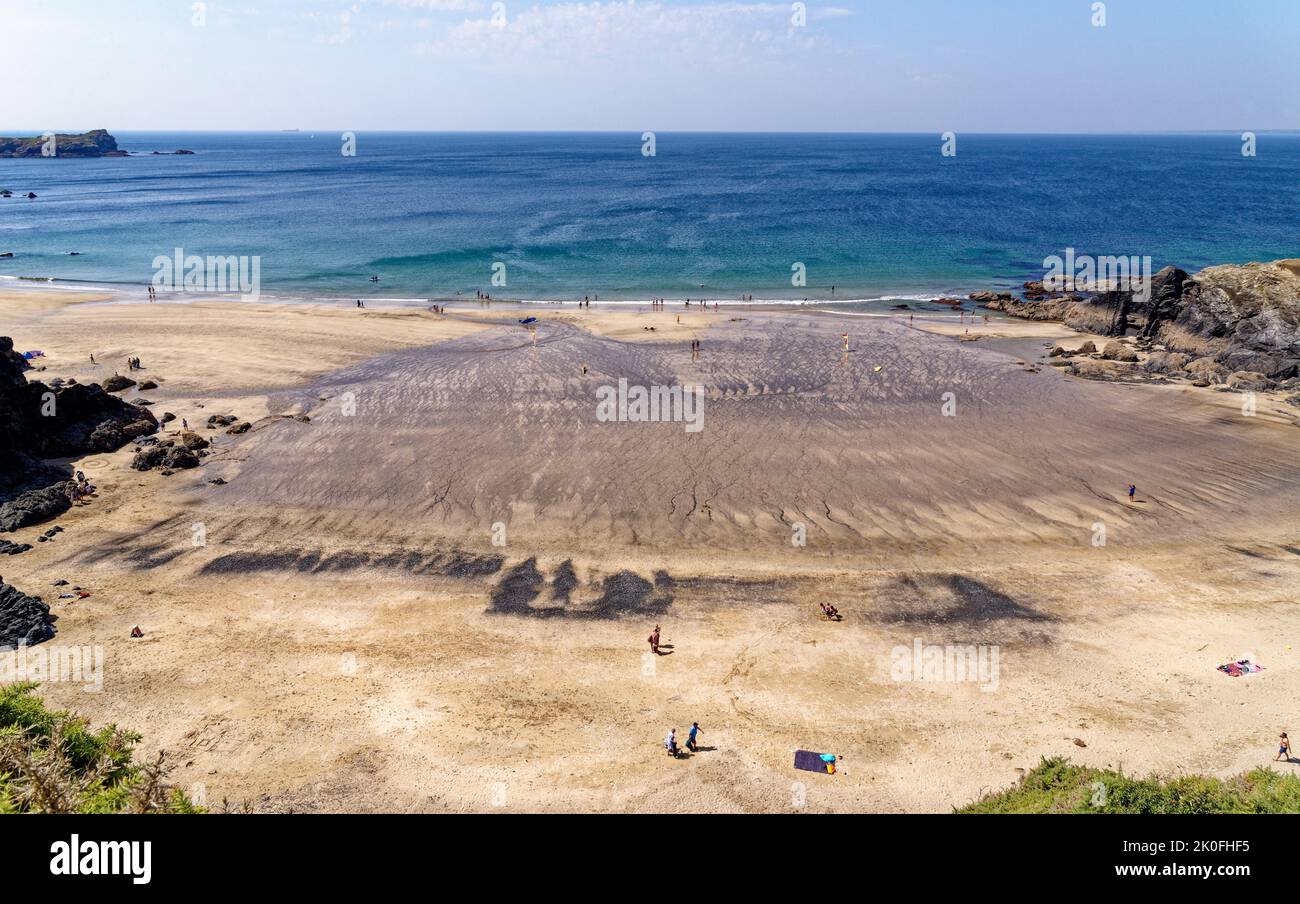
117, 383
23, 619
166, 457
60, 421
1118, 351
91, 144
193, 441
1238, 318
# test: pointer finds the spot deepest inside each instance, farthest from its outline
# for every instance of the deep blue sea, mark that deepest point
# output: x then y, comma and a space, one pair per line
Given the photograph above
569, 215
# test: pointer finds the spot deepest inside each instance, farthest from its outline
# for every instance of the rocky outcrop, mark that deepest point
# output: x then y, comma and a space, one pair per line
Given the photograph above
1224, 320
1112, 371
169, 457
90, 144
1118, 351
117, 383
12, 364
193, 441
23, 619
1247, 316
34, 506
40, 422
1071, 309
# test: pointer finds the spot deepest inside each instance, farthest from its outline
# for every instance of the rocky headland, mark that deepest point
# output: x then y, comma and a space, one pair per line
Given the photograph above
1235, 326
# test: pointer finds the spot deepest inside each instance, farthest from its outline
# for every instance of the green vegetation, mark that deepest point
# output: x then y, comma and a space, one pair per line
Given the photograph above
1057, 786
53, 762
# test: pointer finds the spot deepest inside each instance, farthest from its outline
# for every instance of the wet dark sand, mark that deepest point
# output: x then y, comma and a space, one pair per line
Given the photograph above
487, 429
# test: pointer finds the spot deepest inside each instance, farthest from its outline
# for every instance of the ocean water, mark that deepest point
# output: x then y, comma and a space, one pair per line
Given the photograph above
714, 216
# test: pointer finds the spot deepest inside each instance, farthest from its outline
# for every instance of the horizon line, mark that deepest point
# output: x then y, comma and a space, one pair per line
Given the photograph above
390, 131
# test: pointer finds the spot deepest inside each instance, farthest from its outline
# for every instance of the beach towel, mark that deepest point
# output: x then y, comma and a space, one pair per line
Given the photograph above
1239, 668
808, 761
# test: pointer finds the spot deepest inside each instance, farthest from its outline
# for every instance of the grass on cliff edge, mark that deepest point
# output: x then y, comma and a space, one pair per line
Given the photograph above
1057, 786
53, 762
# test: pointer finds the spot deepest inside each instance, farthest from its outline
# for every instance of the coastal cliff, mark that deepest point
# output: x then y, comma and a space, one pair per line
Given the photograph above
91, 144
1234, 324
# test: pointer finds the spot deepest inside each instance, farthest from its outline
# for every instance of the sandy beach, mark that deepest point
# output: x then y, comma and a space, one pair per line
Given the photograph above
434, 594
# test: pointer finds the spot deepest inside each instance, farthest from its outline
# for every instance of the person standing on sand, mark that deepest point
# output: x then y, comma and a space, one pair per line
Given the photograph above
1283, 748
691, 745
1132, 492
670, 743
654, 641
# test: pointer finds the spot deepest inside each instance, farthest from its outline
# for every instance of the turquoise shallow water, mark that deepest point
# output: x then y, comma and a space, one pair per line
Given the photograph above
875, 216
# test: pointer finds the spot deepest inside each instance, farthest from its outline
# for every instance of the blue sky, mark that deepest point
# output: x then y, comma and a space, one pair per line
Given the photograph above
666, 65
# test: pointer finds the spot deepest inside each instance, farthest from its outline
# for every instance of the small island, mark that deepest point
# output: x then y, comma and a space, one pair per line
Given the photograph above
98, 143
91, 144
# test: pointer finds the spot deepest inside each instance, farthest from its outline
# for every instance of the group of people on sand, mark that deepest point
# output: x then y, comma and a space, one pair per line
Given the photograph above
153, 294
696, 347
360, 303
131, 363
692, 741
80, 488
830, 612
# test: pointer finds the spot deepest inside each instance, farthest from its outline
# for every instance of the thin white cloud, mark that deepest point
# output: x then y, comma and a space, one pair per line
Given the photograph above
630, 30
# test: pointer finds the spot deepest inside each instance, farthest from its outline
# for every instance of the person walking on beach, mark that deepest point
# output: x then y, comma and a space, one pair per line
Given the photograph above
691, 744
1283, 748
654, 641
670, 743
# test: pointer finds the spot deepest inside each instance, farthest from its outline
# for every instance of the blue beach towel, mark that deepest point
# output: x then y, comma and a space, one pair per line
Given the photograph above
808, 761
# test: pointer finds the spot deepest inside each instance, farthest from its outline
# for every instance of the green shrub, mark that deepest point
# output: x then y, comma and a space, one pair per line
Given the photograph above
1058, 786
53, 762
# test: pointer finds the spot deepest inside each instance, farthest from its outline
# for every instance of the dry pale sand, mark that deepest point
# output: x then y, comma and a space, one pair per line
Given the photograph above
350, 638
